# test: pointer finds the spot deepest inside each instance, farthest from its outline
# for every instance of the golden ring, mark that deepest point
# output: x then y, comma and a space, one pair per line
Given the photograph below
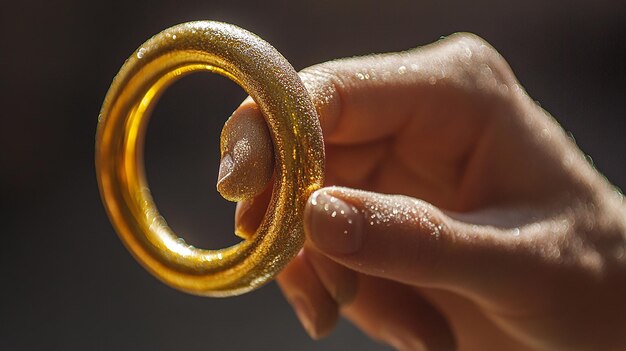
298, 151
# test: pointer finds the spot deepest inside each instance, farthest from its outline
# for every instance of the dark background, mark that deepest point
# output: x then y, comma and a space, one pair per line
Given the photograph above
67, 283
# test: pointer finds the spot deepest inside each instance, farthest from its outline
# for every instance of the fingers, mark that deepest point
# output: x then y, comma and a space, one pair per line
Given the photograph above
387, 311
315, 308
249, 213
372, 97
406, 240
365, 99
340, 282
395, 314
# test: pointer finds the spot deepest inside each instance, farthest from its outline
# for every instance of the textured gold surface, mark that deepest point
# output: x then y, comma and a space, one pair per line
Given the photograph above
298, 147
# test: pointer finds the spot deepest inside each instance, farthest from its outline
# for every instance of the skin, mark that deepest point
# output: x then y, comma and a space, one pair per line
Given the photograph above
470, 220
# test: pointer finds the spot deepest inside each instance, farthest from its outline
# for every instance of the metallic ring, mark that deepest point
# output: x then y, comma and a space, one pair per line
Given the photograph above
298, 150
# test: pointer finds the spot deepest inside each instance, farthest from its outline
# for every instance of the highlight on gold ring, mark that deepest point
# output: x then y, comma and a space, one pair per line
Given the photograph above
298, 156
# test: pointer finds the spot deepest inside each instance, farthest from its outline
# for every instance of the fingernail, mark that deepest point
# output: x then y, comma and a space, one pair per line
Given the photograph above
226, 168
333, 225
403, 342
304, 315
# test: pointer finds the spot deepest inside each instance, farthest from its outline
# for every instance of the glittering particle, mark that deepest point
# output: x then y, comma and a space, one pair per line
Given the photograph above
141, 52
314, 199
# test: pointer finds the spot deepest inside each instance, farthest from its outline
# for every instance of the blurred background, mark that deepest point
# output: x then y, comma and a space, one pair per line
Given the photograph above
67, 281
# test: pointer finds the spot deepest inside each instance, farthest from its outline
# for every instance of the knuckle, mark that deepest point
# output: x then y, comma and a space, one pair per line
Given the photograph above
482, 50
482, 60
472, 38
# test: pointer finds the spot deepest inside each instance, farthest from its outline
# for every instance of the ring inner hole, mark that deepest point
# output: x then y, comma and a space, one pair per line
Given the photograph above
182, 158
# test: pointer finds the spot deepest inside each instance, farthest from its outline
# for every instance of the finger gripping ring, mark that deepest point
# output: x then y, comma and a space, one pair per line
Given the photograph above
298, 151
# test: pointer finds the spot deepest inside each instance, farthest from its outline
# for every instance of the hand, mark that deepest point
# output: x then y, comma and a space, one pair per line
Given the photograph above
478, 224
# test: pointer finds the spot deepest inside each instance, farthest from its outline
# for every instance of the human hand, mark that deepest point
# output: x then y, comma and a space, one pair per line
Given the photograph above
478, 224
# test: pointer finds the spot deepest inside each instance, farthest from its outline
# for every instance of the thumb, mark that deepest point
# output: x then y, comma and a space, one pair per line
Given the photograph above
403, 239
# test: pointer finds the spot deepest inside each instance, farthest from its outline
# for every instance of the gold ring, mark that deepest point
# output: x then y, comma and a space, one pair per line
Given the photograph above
298, 151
